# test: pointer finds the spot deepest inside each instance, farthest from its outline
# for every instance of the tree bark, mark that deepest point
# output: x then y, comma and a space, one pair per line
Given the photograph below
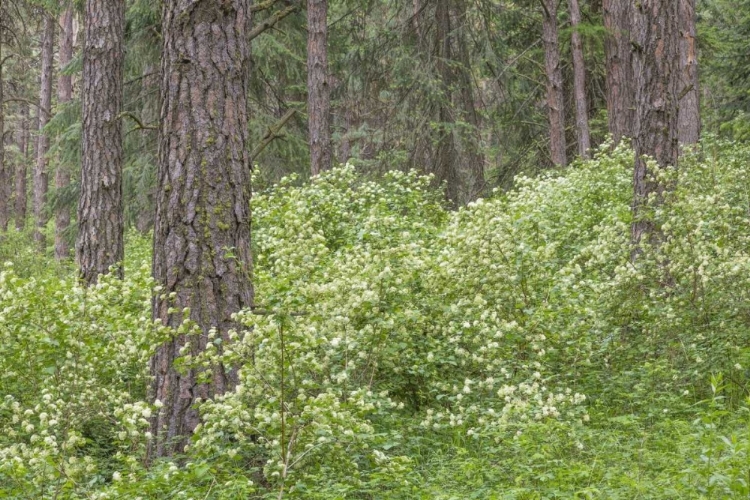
470, 154
689, 118
318, 88
100, 212
620, 87
555, 97
202, 232
5, 178
45, 103
656, 66
64, 94
21, 166
446, 156
579, 83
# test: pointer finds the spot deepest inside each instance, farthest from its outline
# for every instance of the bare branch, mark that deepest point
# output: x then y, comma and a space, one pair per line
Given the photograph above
27, 101
262, 5
271, 134
271, 21
141, 126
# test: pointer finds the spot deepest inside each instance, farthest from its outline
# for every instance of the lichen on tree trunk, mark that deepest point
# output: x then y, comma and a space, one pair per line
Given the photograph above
100, 214
656, 66
202, 230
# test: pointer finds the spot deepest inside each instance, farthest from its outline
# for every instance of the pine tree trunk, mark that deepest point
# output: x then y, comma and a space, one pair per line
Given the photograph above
21, 166
64, 94
579, 83
100, 212
5, 178
656, 66
446, 156
202, 231
471, 158
555, 97
689, 118
45, 104
620, 87
319, 91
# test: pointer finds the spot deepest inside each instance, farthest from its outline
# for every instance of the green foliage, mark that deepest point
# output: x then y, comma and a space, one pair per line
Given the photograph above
512, 349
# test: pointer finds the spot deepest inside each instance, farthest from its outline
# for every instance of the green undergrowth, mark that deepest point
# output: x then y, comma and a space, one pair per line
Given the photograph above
512, 349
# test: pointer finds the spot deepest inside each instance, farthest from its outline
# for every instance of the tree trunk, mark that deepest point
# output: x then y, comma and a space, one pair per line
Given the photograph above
656, 66
5, 177
555, 97
21, 166
471, 158
446, 156
100, 212
618, 54
64, 94
318, 88
689, 118
579, 83
45, 104
202, 231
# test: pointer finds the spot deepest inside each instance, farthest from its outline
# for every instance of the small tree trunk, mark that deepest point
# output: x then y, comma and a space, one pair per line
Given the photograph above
319, 92
45, 104
656, 65
620, 86
5, 178
579, 83
100, 213
555, 97
446, 156
21, 167
64, 94
689, 118
202, 230
470, 154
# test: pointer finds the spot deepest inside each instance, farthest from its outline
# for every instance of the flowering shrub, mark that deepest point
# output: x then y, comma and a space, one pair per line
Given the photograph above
395, 344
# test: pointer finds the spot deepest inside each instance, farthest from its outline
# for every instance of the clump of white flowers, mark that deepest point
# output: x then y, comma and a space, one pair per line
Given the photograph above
379, 314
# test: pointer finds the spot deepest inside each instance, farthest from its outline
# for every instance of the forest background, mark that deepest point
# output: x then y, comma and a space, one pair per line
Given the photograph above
491, 299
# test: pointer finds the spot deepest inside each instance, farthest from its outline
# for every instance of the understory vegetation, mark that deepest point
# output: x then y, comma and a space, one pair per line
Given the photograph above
510, 350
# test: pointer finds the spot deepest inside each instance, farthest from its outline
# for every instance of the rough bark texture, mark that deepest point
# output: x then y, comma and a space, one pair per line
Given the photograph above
470, 147
618, 52
45, 103
5, 177
318, 88
579, 83
656, 66
202, 230
64, 94
555, 97
689, 118
21, 166
100, 214
446, 156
